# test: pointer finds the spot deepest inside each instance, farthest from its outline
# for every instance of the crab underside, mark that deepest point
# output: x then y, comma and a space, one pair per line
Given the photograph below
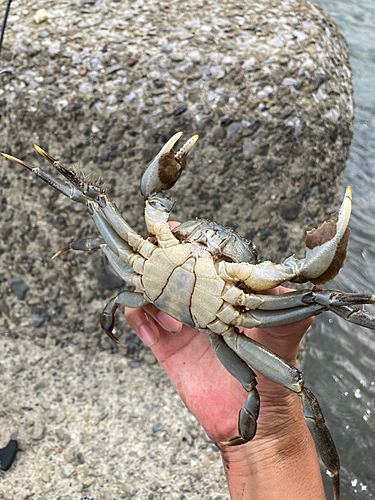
209, 278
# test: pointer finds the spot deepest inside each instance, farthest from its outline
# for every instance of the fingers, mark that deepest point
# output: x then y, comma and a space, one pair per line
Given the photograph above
143, 325
146, 320
165, 321
283, 340
172, 224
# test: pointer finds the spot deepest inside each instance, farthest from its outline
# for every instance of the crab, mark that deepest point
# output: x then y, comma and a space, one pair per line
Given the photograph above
210, 278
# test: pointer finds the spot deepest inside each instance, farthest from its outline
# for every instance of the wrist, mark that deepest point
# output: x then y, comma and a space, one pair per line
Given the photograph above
279, 463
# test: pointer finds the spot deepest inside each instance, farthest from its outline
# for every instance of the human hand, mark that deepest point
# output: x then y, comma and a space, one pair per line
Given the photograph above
266, 467
205, 386
208, 390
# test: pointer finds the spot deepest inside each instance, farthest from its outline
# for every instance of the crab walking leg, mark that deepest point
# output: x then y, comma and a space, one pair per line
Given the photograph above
355, 315
325, 255
268, 319
126, 299
88, 244
80, 190
84, 244
119, 246
290, 300
280, 371
125, 271
276, 310
247, 418
62, 186
93, 193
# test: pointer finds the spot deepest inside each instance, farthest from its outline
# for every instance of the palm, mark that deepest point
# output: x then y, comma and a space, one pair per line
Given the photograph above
208, 390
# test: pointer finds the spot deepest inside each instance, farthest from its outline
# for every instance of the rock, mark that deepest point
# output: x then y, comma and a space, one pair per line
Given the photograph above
54, 48
67, 470
254, 155
17, 368
45, 477
131, 61
8, 454
70, 455
150, 358
41, 15
233, 128
157, 427
180, 109
38, 431
290, 210
37, 321
48, 109
18, 287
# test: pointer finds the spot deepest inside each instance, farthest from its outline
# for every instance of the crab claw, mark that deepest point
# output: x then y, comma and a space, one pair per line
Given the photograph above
166, 167
326, 246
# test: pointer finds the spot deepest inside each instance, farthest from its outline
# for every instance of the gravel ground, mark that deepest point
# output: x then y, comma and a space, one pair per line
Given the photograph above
268, 89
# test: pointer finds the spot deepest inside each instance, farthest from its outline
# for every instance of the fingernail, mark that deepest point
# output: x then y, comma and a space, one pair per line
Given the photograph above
168, 323
148, 335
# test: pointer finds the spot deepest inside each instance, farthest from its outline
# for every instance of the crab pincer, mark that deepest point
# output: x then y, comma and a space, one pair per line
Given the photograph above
166, 168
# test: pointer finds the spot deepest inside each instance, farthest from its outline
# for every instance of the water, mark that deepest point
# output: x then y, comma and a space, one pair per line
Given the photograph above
340, 366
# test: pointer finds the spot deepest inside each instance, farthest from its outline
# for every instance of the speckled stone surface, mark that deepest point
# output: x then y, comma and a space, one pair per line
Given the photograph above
104, 84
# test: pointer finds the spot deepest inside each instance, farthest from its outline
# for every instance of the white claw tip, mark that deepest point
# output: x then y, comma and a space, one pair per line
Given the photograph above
349, 193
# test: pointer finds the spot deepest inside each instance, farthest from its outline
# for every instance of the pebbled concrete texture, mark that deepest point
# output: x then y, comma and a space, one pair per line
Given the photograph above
105, 84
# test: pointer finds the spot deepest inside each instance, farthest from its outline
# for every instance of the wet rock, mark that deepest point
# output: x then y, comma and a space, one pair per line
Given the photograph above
8, 454
18, 287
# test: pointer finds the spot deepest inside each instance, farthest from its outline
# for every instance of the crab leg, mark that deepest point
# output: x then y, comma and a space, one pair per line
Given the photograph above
60, 185
166, 167
88, 244
161, 174
275, 310
247, 418
125, 271
81, 190
94, 193
126, 299
355, 315
84, 244
268, 319
280, 371
325, 255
